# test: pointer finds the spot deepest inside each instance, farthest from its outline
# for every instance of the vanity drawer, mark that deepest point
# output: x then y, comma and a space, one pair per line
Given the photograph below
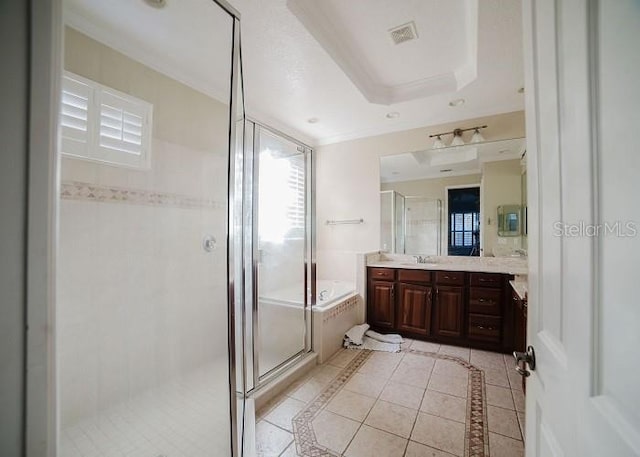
454, 278
414, 276
484, 328
485, 279
388, 274
485, 301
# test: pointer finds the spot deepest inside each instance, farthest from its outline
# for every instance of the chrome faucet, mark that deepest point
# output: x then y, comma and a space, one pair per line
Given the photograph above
323, 295
420, 259
522, 252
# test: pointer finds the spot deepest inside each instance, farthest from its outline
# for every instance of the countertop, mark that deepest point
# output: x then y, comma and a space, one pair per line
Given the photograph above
520, 286
505, 265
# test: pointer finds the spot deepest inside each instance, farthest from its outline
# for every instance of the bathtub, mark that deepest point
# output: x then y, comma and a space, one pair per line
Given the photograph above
327, 292
338, 308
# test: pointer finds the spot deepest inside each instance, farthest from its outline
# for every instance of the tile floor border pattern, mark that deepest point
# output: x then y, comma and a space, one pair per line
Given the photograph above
304, 436
476, 429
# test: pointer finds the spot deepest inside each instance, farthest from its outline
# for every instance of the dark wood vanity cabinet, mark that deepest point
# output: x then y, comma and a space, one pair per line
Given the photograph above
453, 307
520, 336
449, 312
414, 308
486, 305
382, 296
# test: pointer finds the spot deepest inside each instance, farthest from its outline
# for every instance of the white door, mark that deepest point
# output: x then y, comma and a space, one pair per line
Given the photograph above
582, 62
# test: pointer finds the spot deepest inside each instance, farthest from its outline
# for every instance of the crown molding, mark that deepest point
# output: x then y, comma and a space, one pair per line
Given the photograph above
332, 39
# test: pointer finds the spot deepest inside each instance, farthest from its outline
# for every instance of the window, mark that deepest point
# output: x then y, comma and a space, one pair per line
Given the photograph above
463, 226
464, 221
296, 211
281, 196
103, 124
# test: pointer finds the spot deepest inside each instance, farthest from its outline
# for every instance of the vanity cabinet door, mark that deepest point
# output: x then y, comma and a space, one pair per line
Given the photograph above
381, 310
449, 313
414, 308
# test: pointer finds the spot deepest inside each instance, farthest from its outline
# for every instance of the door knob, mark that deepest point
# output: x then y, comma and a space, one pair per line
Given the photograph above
524, 359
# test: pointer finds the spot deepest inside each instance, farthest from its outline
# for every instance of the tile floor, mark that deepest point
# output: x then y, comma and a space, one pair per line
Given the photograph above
405, 404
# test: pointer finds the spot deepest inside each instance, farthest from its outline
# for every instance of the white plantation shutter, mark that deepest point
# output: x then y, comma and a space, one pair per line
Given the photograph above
123, 127
100, 123
74, 117
296, 213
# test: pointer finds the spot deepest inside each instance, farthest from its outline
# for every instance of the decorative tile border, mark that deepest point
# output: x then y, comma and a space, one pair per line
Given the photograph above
476, 429
305, 438
75, 190
342, 308
476, 443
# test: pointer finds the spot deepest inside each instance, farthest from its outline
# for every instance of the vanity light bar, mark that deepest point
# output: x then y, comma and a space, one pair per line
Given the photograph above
458, 132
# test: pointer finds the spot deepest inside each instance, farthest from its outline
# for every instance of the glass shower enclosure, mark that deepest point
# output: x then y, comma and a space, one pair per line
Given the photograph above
278, 252
410, 224
147, 266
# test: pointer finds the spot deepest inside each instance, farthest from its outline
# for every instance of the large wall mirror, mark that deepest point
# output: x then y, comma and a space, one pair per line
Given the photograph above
445, 201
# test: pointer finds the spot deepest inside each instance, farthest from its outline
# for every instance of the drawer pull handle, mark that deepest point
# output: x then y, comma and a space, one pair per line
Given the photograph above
482, 300
485, 328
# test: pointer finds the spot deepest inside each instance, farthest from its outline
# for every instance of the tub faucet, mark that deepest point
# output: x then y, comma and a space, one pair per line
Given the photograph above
323, 295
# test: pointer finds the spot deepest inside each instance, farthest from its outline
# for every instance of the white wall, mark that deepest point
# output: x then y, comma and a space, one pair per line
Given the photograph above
139, 300
14, 84
348, 186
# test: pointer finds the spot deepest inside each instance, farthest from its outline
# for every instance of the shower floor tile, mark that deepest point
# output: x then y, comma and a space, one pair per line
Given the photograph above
188, 417
443, 411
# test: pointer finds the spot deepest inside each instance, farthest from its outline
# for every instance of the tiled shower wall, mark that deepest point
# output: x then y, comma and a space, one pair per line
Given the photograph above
138, 298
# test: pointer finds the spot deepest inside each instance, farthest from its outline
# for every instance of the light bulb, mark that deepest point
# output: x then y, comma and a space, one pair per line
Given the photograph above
457, 140
438, 143
477, 137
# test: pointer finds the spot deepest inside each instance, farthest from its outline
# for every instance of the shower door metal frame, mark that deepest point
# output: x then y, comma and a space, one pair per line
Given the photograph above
309, 254
40, 427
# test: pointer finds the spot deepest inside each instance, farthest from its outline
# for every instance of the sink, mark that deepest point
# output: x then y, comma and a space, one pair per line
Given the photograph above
421, 265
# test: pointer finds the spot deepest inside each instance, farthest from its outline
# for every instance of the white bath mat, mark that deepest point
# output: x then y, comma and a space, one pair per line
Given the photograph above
373, 345
390, 338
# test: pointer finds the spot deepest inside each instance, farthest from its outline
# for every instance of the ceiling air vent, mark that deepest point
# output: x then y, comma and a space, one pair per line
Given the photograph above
404, 32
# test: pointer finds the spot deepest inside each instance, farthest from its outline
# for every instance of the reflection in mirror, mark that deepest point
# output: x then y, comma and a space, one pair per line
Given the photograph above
427, 175
509, 220
409, 224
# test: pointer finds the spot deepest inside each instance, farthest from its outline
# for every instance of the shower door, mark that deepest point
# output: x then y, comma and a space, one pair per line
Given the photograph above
144, 353
280, 251
422, 225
